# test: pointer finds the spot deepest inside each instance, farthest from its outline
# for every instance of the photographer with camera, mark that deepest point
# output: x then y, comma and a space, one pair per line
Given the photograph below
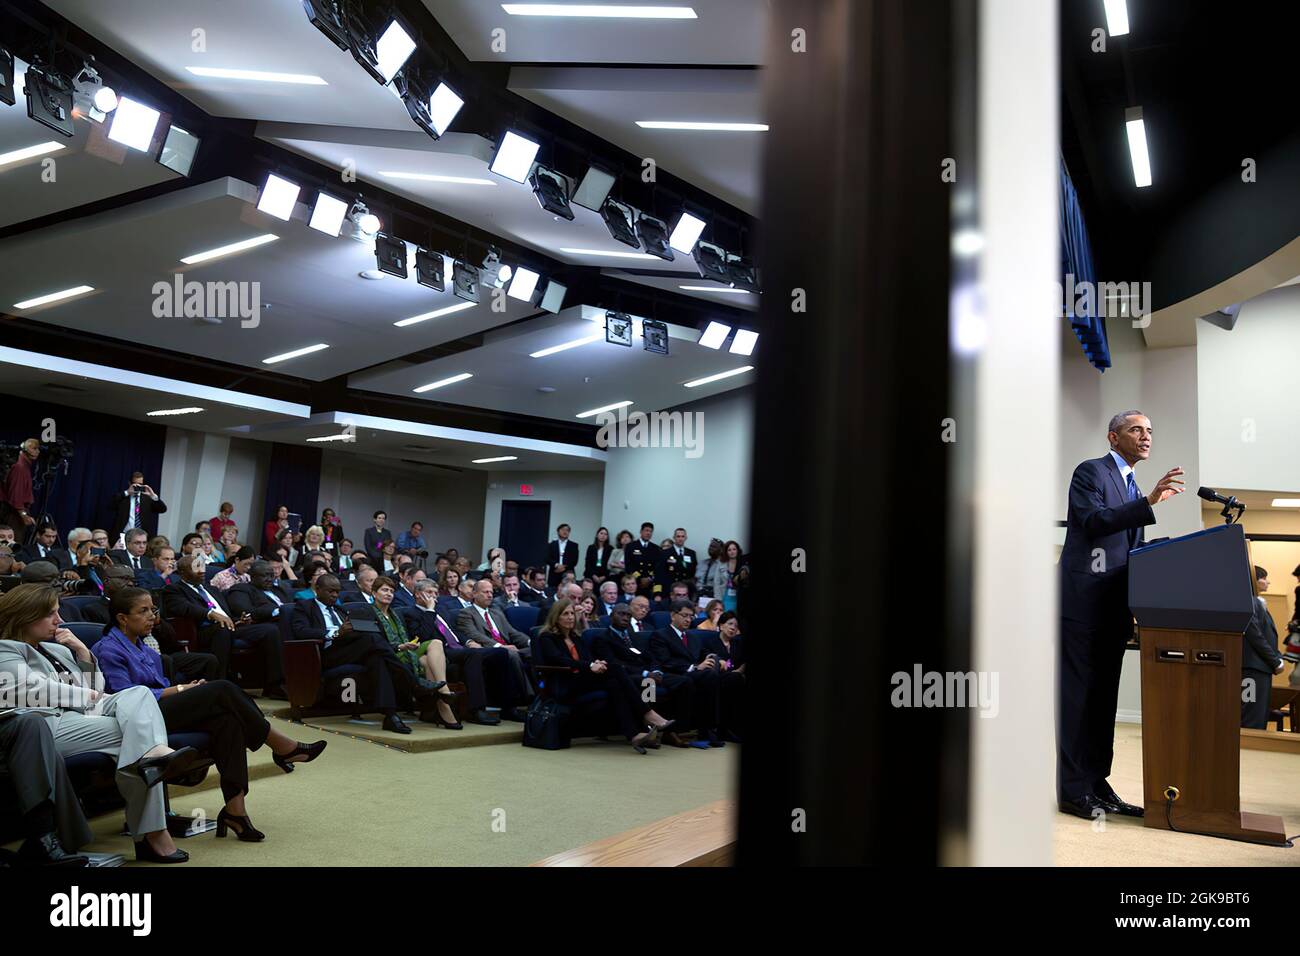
137, 504
17, 491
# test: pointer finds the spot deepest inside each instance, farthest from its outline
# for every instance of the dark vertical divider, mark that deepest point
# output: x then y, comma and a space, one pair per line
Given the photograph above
293, 479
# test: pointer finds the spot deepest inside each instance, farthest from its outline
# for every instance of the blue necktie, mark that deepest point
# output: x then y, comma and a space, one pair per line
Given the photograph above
1133, 495
1132, 488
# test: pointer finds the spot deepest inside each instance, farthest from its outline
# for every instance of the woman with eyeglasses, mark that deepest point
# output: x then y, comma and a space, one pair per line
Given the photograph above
218, 708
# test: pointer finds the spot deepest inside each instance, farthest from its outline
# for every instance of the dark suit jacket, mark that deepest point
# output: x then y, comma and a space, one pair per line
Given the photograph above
1259, 644
711, 643
57, 556
670, 568
374, 544
589, 568
670, 655
149, 511
531, 595
1094, 590
635, 659
641, 558
403, 598
181, 600
151, 580
553, 557
307, 623
551, 652
244, 599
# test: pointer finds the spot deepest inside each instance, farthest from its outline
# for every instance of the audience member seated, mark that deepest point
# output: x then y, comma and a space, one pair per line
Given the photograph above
345, 558
365, 582
712, 613
286, 547
52, 819
509, 596
560, 645
425, 659
192, 543
627, 588
412, 542
310, 573
134, 554
639, 607
163, 572
673, 694
237, 573
726, 646
190, 599
532, 588
449, 583
405, 596
313, 539
608, 599
56, 675
7, 541
257, 602
217, 708
387, 561
677, 591
272, 529
672, 654
45, 547
228, 543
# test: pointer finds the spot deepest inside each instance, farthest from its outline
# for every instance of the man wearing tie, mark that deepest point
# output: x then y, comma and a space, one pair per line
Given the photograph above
137, 541
1107, 512
188, 598
137, 506
481, 625
257, 601
561, 555
677, 563
44, 547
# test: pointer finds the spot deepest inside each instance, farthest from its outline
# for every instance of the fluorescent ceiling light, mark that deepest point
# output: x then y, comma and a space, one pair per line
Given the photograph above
27, 152
1116, 17
720, 376
393, 49
435, 178
523, 285
714, 335
514, 157
720, 289
744, 342
295, 353
686, 234
1137, 146
489, 461
612, 255
133, 124
1286, 502
231, 249
302, 79
343, 437
598, 337
439, 384
704, 127
435, 314
967, 243
604, 408
444, 104
605, 10
279, 196
54, 297
329, 214
174, 411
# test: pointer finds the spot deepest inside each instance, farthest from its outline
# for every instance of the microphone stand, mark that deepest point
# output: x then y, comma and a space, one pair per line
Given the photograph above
1229, 507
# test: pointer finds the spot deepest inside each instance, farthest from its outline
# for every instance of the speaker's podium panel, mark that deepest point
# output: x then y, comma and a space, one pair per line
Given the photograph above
1192, 598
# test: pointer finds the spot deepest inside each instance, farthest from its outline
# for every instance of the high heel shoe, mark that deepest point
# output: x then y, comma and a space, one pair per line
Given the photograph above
144, 853
242, 826
285, 762
648, 738
166, 769
435, 716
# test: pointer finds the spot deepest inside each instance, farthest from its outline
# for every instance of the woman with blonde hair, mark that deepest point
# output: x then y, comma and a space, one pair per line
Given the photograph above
228, 543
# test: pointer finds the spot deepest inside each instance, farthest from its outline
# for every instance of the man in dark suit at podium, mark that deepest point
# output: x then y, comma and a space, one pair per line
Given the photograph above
1260, 659
1107, 512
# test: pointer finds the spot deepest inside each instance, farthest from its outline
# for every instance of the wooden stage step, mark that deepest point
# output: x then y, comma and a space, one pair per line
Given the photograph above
705, 836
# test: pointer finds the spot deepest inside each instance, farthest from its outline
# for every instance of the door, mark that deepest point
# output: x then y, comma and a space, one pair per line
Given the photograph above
525, 531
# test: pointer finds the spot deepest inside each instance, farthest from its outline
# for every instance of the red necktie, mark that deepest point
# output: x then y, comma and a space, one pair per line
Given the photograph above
496, 635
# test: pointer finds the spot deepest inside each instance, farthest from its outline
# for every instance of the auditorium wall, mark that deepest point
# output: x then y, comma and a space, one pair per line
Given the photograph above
575, 497
201, 470
708, 494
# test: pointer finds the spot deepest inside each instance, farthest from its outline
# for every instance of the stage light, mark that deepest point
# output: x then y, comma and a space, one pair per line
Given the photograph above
654, 233
443, 382
134, 124
393, 50
443, 107
435, 314
54, 297
49, 99
711, 260
390, 255
514, 157
620, 219
714, 335
594, 189
465, 281
523, 285
227, 250
361, 42
8, 92
179, 149
1137, 146
654, 336
708, 379
490, 274
553, 297
1116, 17
279, 196
366, 223
551, 190
328, 214
432, 112
686, 233
90, 97
429, 270
296, 353
744, 342
619, 328
742, 274
328, 18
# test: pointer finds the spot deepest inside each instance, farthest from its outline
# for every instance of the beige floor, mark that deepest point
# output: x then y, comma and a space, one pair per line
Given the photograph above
1270, 783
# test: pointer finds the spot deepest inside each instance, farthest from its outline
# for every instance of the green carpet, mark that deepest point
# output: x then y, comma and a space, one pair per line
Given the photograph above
361, 804
422, 739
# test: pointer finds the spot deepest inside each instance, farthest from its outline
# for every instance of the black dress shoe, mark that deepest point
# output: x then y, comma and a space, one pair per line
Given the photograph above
274, 693
177, 764
144, 853
1113, 804
46, 850
483, 717
395, 724
1087, 806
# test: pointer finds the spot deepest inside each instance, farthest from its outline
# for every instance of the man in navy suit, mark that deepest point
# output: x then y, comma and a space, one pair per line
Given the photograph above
561, 556
1107, 513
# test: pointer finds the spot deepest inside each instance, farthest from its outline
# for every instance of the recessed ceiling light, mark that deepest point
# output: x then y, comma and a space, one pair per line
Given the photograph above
598, 337
328, 214
604, 408
704, 127
744, 341
18, 155
234, 247
720, 376
719, 289
714, 335
219, 73
611, 255
393, 49
686, 234
1137, 146
1286, 502
54, 297
279, 196
489, 461
133, 124
343, 437
523, 285
514, 157
435, 314
435, 178
295, 353
1116, 17
174, 411
441, 382
598, 10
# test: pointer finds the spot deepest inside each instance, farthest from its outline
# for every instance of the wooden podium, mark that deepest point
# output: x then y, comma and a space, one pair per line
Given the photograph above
1192, 598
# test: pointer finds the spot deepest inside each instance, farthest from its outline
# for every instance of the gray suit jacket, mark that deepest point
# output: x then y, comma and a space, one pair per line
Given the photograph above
28, 680
470, 627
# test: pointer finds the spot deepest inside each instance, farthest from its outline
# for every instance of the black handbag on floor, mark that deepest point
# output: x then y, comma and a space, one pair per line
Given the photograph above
544, 726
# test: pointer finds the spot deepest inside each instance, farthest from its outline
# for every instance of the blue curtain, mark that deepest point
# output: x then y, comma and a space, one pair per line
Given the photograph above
106, 449
1076, 262
293, 480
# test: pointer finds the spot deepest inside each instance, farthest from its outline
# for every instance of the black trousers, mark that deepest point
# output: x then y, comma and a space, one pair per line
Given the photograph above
731, 709
491, 677
227, 715
40, 779
187, 668
218, 642
674, 697
1254, 713
621, 691
387, 684
1091, 659
270, 639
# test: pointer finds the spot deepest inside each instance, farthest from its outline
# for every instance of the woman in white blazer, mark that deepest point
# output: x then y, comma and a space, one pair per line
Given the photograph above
45, 669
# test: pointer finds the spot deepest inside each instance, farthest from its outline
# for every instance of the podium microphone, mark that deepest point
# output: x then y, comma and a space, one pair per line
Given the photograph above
1230, 503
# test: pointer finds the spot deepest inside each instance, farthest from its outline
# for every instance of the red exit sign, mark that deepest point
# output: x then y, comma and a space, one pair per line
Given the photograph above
525, 489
